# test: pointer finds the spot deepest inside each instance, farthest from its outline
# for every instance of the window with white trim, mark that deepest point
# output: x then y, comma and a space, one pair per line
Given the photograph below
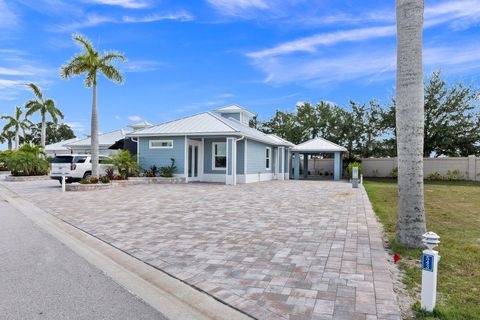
268, 156
219, 155
161, 144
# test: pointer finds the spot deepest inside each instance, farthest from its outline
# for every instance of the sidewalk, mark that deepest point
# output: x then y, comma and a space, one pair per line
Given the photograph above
42, 279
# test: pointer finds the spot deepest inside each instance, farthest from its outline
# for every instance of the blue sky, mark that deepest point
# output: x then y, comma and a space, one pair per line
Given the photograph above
185, 57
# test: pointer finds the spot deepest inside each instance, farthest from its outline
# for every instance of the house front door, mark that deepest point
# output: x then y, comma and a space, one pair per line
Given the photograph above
194, 160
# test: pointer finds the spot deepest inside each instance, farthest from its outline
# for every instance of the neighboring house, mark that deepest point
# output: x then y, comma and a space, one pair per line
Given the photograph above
109, 143
59, 148
128, 143
216, 146
105, 140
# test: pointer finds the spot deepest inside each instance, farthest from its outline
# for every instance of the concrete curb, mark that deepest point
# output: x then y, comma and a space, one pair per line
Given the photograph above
171, 297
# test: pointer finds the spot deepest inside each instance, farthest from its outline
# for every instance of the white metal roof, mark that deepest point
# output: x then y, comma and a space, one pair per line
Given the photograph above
59, 145
281, 140
105, 139
206, 123
318, 145
234, 108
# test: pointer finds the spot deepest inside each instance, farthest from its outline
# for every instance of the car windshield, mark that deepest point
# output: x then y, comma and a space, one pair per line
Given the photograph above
63, 159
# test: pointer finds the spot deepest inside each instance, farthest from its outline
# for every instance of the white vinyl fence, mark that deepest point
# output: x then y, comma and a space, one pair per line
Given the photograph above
468, 167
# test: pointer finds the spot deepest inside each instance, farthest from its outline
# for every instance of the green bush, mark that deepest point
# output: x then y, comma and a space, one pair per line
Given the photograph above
90, 180
126, 164
350, 168
3, 159
105, 179
152, 172
394, 172
453, 175
168, 170
434, 176
27, 161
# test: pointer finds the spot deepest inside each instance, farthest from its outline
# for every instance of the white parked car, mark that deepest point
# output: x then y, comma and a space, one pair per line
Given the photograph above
77, 166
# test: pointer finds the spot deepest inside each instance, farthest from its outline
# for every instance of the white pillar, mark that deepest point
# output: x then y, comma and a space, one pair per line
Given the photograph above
276, 163
185, 162
280, 162
231, 171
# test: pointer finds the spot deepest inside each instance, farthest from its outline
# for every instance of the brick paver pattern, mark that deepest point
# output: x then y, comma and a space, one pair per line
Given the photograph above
275, 250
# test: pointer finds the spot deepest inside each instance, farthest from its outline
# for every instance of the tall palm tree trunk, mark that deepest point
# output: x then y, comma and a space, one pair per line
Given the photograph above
17, 140
10, 144
94, 132
410, 122
43, 135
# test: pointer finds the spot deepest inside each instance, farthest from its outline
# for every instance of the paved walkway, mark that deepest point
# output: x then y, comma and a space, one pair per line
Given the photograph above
42, 279
275, 250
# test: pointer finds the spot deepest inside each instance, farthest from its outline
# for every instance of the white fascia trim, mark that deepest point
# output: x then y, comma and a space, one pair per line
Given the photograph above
235, 134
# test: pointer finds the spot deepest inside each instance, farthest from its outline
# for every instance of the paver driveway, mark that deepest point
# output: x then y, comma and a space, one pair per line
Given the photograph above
275, 250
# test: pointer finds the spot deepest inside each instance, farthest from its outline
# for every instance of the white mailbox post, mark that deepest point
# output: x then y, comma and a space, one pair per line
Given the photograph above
430, 260
63, 173
355, 177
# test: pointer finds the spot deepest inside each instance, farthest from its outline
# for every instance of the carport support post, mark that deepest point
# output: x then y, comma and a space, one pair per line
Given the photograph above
336, 166
305, 166
281, 166
296, 165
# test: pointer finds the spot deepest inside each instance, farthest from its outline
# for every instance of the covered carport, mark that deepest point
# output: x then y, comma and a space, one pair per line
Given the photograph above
315, 147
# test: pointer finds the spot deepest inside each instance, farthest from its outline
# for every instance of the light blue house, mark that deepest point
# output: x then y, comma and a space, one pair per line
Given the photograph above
216, 146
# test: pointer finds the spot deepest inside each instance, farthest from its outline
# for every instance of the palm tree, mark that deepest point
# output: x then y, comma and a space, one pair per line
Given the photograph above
44, 106
8, 136
410, 123
16, 123
91, 62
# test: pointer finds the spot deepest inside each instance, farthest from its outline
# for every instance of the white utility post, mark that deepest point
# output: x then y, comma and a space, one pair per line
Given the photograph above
355, 177
430, 260
64, 178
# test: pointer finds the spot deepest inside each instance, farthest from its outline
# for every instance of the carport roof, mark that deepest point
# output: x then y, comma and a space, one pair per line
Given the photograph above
318, 145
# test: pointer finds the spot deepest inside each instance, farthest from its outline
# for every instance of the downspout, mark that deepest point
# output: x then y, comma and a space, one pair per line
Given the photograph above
138, 148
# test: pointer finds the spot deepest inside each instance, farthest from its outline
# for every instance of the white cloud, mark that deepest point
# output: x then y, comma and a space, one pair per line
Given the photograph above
129, 4
8, 17
79, 126
90, 20
93, 19
142, 65
16, 69
24, 70
310, 44
306, 59
368, 65
225, 95
459, 14
134, 118
180, 16
237, 7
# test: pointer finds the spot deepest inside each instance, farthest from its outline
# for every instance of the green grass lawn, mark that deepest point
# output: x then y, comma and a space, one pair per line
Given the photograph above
453, 211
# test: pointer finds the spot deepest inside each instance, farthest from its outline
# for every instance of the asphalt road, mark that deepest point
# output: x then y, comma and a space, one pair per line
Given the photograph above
40, 278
